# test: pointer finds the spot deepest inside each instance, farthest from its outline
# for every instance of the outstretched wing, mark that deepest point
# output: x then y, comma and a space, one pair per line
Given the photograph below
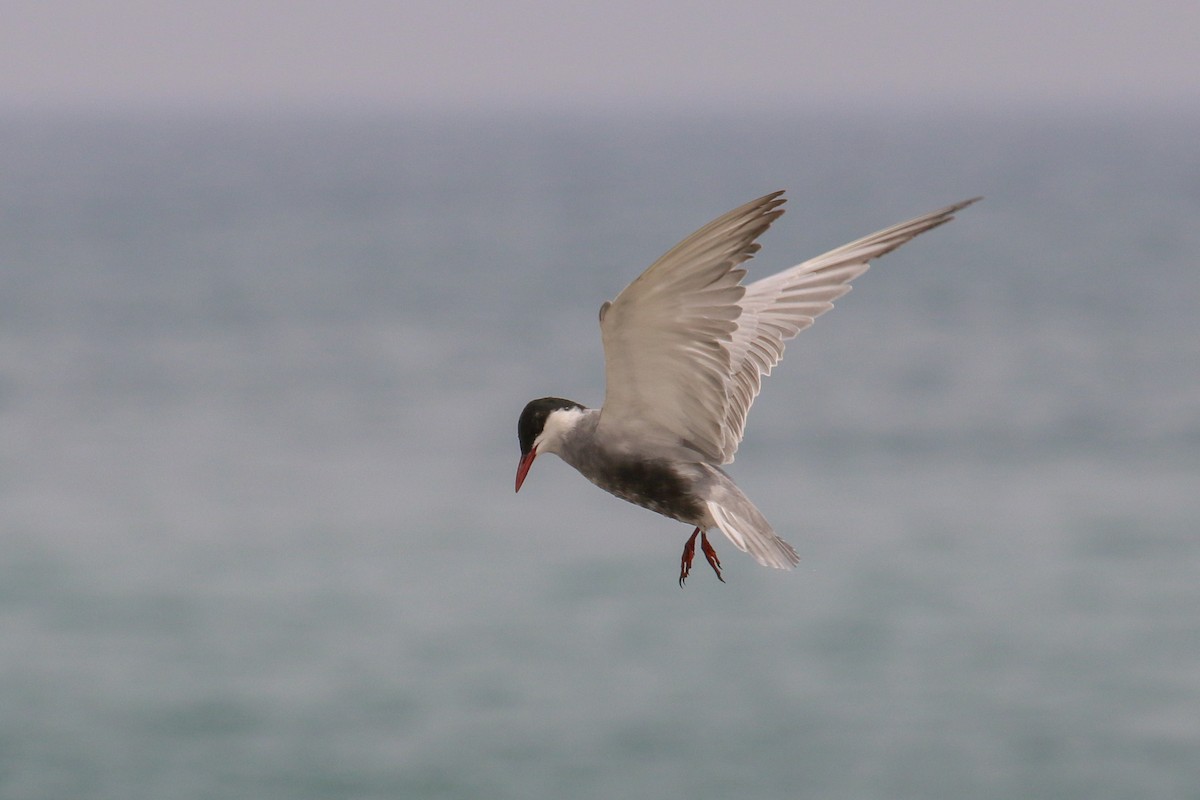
668, 336
777, 308
686, 345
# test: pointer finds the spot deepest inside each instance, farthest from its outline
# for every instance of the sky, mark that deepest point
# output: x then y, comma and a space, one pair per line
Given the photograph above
723, 56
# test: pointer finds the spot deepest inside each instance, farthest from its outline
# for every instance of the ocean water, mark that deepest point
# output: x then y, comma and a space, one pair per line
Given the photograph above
259, 382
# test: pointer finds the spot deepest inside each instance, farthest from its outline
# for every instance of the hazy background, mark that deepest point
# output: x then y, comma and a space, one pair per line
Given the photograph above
277, 278
735, 57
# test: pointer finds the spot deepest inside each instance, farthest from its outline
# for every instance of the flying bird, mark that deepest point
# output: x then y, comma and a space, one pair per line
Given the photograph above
686, 346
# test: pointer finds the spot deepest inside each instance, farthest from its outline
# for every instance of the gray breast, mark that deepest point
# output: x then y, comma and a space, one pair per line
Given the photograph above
652, 484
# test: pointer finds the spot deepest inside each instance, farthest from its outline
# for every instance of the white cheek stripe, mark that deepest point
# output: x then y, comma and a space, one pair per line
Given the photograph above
559, 423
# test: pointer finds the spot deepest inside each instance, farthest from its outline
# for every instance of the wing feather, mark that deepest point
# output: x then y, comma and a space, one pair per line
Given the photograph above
777, 308
666, 335
686, 345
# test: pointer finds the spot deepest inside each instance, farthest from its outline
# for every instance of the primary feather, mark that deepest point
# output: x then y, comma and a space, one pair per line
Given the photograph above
686, 345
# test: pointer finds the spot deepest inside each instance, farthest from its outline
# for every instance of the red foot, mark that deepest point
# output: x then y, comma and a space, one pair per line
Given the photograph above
689, 550
685, 563
711, 555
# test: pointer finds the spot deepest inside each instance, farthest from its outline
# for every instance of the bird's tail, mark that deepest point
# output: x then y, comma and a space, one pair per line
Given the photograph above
749, 531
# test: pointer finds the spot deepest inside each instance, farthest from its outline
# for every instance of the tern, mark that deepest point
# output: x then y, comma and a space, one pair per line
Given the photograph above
686, 346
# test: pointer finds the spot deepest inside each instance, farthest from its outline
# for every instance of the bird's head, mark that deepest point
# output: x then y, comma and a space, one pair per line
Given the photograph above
543, 424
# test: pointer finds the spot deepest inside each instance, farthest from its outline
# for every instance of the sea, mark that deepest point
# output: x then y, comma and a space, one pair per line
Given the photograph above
260, 374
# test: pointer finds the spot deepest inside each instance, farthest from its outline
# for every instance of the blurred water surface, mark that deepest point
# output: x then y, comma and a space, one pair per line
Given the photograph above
259, 381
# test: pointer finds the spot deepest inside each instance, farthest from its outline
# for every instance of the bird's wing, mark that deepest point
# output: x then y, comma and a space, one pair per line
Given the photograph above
777, 308
667, 336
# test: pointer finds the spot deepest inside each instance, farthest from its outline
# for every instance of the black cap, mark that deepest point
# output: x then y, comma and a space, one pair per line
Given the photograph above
533, 418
